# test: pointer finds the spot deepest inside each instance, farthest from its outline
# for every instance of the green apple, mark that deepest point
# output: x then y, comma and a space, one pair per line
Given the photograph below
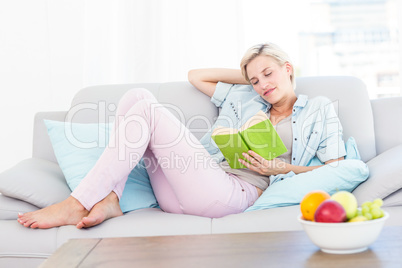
348, 202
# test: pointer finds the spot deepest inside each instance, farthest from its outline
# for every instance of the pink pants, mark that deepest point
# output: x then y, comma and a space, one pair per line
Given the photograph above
183, 176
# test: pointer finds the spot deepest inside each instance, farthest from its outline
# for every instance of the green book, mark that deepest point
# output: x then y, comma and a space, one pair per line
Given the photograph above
257, 134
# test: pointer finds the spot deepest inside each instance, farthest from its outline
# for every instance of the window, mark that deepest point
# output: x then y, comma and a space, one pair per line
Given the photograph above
364, 43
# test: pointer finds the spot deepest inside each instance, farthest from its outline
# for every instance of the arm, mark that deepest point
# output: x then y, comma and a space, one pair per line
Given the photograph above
302, 169
205, 80
275, 166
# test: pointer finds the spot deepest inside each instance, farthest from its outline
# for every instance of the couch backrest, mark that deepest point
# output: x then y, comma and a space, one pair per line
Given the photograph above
387, 114
97, 103
193, 108
350, 98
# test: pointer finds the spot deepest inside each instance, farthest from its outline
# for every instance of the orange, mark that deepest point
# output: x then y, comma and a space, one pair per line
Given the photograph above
310, 203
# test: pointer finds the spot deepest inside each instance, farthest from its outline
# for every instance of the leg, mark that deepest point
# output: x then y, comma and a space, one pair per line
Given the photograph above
188, 171
72, 211
201, 197
126, 102
201, 187
162, 190
109, 206
179, 165
131, 134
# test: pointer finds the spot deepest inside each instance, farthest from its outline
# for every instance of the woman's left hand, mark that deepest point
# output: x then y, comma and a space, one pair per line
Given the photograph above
263, 166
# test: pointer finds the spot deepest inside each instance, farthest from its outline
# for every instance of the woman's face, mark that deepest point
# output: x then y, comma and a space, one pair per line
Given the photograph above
270, 80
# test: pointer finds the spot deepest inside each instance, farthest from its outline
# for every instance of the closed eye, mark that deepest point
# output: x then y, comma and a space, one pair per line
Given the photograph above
268, 74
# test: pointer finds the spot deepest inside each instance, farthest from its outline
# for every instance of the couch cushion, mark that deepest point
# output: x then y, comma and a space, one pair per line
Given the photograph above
394, 199
10, 207
289, 189
24, 243
77, 147
385, 176
143, 222
343, 175
277, 220
36, 181
270, 220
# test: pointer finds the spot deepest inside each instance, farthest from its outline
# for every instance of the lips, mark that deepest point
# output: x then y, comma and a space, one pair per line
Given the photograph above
268, 91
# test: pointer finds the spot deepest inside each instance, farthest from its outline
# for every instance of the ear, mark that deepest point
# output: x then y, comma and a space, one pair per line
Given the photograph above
289, 67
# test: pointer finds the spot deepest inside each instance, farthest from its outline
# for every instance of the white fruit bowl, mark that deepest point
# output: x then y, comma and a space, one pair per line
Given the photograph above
345, 237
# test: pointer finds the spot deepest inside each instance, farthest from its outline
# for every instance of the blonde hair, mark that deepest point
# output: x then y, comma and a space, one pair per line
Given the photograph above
266, 49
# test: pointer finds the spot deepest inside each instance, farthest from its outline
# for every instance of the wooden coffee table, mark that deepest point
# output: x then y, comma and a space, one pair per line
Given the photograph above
271, 249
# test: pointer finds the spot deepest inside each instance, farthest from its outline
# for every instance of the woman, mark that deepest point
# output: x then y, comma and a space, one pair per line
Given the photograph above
212, 190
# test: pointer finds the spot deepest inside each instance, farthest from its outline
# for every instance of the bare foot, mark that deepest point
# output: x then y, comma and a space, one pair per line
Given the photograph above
67, 212
105, 209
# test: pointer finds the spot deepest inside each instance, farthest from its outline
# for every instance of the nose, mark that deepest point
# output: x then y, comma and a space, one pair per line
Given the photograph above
264, 85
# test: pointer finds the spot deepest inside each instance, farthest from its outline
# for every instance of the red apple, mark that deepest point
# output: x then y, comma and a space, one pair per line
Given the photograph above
330, 211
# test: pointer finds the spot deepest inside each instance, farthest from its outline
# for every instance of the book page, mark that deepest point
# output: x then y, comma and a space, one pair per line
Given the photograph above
255, 119
224, 131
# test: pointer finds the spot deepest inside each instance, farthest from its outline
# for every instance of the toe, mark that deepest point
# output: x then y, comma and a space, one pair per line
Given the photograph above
80, 225
22, 219
91, 222
28, 223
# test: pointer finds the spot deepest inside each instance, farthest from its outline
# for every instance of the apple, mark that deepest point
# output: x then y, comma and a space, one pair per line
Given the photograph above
330, 211
348, 202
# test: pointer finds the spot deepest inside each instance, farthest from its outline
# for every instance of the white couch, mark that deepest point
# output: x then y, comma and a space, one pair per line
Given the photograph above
375, 124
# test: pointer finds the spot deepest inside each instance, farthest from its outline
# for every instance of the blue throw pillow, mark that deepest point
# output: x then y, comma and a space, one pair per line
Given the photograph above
77, 147
343, 175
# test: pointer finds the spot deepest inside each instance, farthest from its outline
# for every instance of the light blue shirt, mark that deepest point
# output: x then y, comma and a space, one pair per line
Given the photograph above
317, 131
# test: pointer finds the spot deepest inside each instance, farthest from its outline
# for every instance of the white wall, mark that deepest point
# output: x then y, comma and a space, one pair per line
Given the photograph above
50, 49
40, 67
45, 58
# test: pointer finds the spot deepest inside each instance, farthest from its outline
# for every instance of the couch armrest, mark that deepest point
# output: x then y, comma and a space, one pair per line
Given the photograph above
42, 147
385, 176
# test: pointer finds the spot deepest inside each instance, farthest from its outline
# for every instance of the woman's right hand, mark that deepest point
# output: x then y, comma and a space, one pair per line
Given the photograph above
205, 80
